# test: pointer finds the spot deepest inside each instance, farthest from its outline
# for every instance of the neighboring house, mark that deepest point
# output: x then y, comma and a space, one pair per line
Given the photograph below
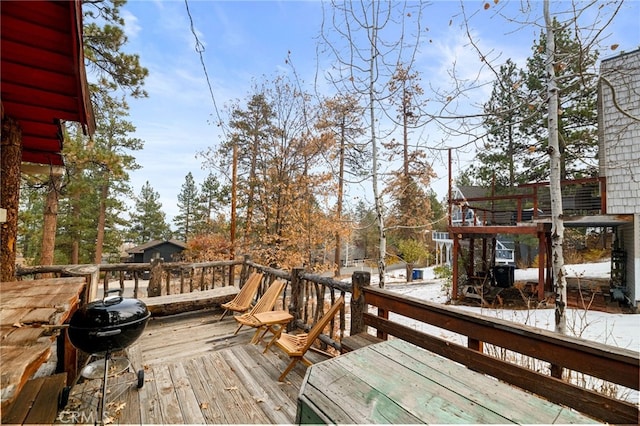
444, 245
610, 201
619, 139
169, 251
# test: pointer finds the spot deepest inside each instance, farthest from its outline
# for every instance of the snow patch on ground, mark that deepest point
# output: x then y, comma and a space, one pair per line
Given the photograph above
621, 330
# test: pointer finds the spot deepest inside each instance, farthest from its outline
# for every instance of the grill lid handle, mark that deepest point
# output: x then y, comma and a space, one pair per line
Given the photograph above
108, 333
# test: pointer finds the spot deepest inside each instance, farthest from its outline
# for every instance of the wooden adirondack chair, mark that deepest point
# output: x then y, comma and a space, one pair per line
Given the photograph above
296, 346
242, 301
264, 304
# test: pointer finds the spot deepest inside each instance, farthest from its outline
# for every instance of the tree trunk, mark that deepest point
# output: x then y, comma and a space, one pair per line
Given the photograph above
10, 159
338, 250
75, 241
234, 199
102, 214
557, 224
382, 240
50, 221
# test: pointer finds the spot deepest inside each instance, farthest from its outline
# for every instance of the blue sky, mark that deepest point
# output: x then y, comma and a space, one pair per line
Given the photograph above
246, 40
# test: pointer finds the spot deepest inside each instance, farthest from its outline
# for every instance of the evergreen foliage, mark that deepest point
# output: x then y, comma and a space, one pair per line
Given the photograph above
148, 221
577, 81
189, 217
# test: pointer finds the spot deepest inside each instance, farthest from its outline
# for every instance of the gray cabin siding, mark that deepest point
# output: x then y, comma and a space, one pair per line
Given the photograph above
619, 134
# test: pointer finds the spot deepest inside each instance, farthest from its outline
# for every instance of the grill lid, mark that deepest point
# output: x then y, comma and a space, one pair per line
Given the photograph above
112, 311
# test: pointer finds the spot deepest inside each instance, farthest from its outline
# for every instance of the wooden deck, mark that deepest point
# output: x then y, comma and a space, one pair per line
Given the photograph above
196, 372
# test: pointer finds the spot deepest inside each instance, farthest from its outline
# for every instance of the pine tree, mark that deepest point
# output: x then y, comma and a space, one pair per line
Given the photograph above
148, 222
366, 234
190, 211
213, 198
30, 219
577, 108
501, 159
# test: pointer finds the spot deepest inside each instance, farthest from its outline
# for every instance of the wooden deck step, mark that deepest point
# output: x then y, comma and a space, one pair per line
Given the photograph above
38, 401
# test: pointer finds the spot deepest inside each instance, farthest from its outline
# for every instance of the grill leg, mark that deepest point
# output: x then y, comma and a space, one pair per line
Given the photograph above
103, 402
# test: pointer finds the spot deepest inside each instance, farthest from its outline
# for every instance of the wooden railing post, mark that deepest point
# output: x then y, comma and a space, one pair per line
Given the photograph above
474, 344
244, 273
359, 280
155, 278
296, 302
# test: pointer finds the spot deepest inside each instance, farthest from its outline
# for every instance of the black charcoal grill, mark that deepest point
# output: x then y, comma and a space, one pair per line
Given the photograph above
102, 327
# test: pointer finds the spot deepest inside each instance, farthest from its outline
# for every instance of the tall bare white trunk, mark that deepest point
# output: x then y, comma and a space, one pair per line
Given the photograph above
374, 151
557, 224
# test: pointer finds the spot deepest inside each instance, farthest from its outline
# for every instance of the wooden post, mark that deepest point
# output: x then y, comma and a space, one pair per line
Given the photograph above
359, 280
471, 268
556, 371
155, 278
542, 263
232, 275
474, 344
67, 357
454, 267
10, 159
244, 273
297, 297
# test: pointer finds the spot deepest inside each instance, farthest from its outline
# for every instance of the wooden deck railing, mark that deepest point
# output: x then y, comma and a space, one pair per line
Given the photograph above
163, 278
580, 197
563, 355
309, 295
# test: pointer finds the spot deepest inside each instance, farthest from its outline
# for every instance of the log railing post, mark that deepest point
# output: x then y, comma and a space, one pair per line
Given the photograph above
155, 278
359, 280
296, 302
244, 273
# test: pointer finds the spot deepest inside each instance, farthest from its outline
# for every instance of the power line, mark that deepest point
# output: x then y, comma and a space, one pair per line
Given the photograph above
200, 49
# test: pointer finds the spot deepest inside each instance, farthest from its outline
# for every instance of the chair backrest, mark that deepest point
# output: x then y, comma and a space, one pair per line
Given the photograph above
269, 298
248, 290
322, 323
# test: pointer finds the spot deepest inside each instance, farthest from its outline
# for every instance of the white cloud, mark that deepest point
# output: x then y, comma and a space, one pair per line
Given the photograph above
131, 27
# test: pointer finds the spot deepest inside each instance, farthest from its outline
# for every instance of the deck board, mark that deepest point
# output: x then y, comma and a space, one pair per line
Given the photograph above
167, 398
189, 405
149, 402
212, 410
260, 385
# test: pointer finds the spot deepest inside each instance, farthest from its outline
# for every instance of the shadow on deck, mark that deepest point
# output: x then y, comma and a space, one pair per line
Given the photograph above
196, 371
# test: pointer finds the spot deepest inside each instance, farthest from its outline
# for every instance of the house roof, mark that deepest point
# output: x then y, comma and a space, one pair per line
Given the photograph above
42, 74
474, 191
154, 243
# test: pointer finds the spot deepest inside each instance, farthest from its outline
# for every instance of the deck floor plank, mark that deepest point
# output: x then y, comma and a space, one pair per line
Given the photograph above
224, 394
168, 400
250, 409
150, 412
191, 410
212, 411
256, 375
